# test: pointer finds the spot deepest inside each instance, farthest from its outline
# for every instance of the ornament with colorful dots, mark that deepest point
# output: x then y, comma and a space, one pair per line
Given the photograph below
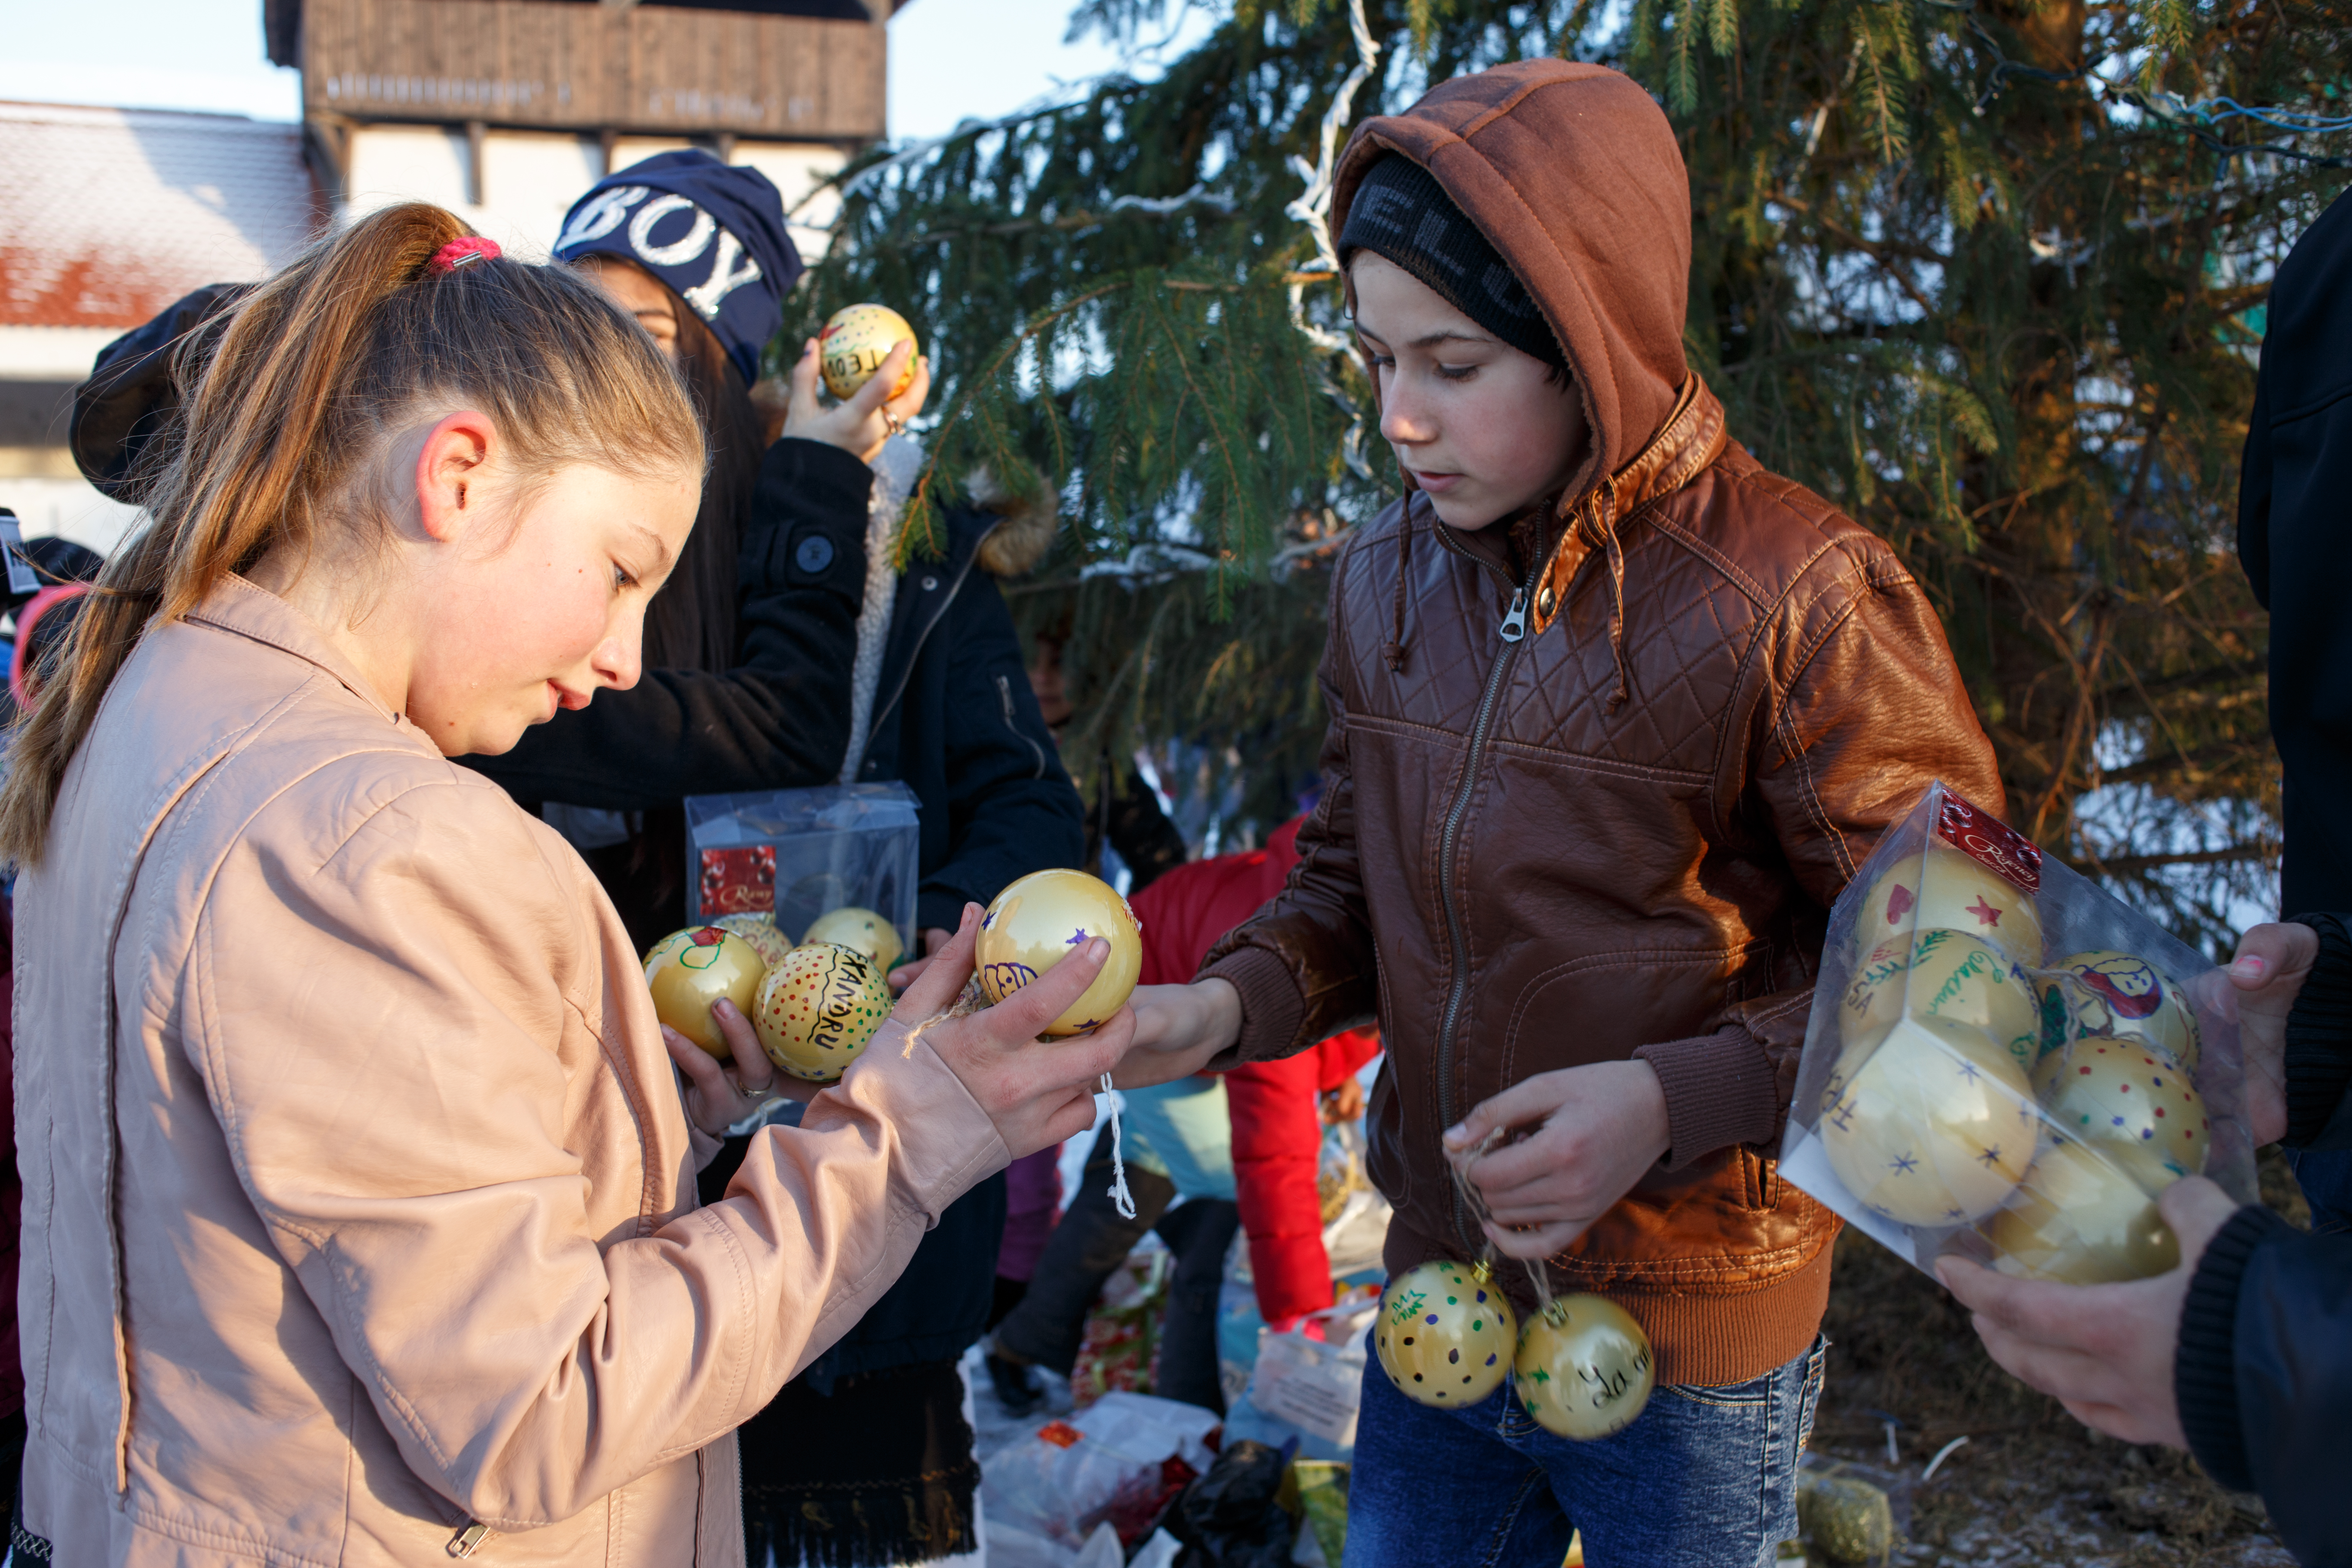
1445, 1335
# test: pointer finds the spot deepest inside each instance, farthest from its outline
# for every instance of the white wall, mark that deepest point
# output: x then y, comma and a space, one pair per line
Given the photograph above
531, 178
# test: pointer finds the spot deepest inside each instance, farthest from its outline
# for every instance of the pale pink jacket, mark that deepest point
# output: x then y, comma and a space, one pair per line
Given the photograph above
359, 1204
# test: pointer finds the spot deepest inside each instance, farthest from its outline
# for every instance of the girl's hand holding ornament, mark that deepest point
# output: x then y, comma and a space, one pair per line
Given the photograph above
869, 417
1037, 1092
1598, 1128
721, 1092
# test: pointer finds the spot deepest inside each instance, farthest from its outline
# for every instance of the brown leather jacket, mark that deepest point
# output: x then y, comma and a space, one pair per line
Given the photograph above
1601, 811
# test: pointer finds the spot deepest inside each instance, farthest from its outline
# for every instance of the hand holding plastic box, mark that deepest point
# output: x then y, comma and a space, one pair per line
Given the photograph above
2007, 1062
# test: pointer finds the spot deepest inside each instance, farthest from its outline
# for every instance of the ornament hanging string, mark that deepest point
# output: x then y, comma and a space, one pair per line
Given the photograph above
1476, 1200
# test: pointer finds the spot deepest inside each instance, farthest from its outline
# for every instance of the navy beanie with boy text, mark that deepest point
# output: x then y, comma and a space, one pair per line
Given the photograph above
713, 232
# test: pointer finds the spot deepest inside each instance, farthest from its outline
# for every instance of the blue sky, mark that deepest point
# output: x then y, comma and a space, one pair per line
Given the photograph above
950, 58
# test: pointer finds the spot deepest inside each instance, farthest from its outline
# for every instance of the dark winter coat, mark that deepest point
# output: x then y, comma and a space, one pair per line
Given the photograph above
2264, 1373
2298, 553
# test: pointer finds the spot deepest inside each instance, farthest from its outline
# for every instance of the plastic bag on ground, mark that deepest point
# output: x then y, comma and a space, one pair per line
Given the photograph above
1118, 1461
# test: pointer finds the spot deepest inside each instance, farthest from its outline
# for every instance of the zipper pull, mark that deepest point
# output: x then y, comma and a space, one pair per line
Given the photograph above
465, 1543
1515, 625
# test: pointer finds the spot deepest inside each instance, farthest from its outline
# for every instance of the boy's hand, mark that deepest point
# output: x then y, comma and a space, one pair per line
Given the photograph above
1177, 1028
2104, 1351
2272, 964
1038, 1092
1598, 1128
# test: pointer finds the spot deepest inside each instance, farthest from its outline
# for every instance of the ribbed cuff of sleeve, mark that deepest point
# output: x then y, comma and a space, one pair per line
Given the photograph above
2205, 1365
1272, 1008
1720, 1091
2319, 1035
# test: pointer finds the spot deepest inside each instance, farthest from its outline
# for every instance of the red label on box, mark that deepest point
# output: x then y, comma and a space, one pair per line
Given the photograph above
1989, 841
739, 881
1061, 1434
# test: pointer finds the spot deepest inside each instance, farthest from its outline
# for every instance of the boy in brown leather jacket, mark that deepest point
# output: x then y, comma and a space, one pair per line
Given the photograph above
1615, 715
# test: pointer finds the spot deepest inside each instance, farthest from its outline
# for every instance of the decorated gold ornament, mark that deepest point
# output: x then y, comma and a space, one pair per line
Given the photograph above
855, 342
2081, 1220
689, 969
760, 931
1445, 1335
1932, 1123
2123, 996
1946, 974
2128, 1104
1583, 1368
1944, 888
818, 1008
864, 930
1042, 918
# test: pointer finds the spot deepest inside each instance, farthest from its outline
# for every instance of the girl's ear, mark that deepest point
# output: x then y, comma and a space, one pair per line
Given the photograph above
448, 473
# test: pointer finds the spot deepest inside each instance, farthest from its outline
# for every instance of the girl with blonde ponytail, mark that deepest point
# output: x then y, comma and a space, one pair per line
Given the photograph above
360, 1223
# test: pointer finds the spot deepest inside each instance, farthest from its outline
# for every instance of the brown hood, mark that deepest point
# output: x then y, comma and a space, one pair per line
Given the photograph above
1571, 173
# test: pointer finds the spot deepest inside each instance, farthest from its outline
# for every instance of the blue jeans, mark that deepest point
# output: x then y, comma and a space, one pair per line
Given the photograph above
1704, 1478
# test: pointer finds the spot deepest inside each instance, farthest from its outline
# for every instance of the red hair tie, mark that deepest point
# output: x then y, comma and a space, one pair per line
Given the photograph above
40, 604
462, 253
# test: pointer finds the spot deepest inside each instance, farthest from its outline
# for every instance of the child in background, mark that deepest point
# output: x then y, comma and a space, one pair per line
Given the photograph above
1242, 1149
1615, 715
358, 1221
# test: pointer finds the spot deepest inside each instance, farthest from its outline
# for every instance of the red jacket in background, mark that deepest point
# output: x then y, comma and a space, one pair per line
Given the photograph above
1277, 1126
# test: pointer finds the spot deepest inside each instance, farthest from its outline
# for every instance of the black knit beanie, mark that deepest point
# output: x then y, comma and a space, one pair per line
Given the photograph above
1401, 213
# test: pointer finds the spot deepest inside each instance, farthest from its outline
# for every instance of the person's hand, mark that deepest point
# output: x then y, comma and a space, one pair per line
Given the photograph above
1598, 1128
862, 424
1037, 1092
2104, 1351
1177, 1028
1345, 1102
2271, 965
935, 940
720, 1094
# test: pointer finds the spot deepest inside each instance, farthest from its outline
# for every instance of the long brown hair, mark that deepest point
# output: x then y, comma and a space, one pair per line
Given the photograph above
691, 623
290, 403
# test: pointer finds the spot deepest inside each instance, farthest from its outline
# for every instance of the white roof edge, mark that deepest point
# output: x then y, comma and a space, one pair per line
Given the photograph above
98, 115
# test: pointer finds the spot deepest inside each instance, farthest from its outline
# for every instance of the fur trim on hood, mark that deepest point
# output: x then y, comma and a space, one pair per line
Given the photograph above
1015, 545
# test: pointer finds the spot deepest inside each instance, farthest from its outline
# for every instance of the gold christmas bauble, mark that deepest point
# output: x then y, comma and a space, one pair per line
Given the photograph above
818, 1008
2078, 1219
1583, 1368
1444, 1334
2123, 996
760, 931
689, 969
1932, 1123
1946, 974
2128, 1104
1943, 888
864, 930
855, 342
1045, 915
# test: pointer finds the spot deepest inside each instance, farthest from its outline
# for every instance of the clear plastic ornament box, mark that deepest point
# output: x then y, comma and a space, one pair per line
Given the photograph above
2006, 1062
802, 853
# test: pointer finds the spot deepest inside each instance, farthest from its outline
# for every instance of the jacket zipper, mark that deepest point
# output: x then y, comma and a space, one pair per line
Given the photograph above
1514, 630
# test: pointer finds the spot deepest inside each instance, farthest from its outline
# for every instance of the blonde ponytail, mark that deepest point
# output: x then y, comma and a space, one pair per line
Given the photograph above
297, 388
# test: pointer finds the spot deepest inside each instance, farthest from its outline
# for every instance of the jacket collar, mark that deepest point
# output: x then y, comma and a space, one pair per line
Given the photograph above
1692, 437
239, 606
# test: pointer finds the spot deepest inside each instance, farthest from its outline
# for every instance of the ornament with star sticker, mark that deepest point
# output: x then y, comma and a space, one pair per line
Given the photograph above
1941, 887
1583, 1368
1929, 1121
1042, 918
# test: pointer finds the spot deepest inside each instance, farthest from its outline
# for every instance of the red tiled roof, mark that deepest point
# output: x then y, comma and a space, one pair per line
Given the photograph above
109, 214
